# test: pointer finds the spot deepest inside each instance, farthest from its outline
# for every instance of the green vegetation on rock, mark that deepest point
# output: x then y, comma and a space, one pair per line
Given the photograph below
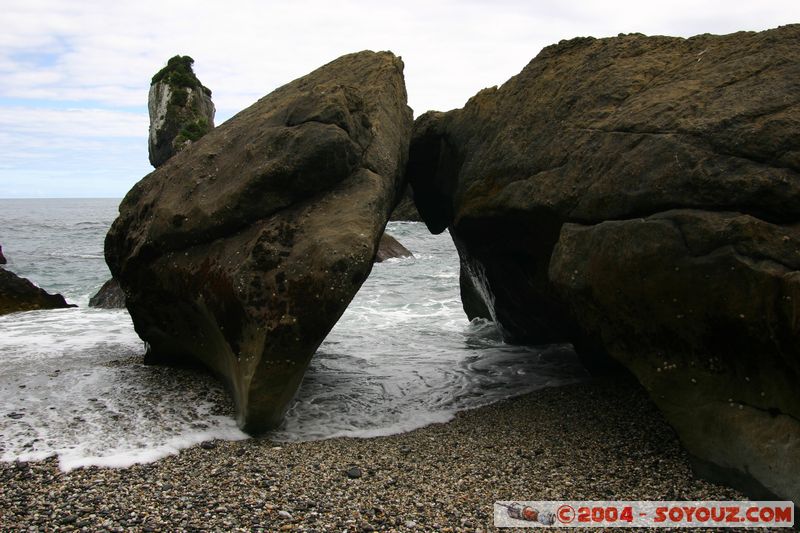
193, 131
179, 97
179, 74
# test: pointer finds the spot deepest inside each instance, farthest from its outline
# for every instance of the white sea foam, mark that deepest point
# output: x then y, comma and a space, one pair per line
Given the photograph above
73, 386
72, 382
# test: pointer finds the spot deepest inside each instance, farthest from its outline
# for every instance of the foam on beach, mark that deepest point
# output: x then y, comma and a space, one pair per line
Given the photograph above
403, 356
73, 386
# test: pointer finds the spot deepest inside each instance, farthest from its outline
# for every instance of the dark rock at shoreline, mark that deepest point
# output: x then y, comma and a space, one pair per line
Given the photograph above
19, 294
180, 108
639, 197
2, 257
389, 248
243, 250
110, 296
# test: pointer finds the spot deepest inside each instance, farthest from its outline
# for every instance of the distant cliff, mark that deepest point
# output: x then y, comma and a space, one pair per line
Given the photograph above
180, 107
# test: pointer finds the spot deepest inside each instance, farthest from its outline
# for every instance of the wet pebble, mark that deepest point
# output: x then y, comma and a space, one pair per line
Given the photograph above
458, 470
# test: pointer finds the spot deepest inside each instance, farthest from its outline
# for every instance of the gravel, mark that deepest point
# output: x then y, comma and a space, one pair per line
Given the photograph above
602, 440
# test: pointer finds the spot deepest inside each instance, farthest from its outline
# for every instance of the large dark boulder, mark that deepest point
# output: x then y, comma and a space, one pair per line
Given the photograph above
243, 250
19, 294
640, 197
180, 109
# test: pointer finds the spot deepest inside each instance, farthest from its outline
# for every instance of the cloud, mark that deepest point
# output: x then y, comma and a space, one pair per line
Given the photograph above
245, 49
70, 152
73, 123
96, 55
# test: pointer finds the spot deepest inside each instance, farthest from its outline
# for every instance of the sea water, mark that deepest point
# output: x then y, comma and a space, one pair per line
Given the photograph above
404, 355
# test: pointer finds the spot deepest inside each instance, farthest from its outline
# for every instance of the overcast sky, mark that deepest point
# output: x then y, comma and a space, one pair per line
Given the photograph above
74, 76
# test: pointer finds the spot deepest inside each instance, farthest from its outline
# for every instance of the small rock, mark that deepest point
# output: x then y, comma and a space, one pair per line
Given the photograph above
285, 514
354, 472
208, 445
16, 416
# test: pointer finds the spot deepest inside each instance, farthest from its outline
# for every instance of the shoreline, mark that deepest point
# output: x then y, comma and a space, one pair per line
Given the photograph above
597, 440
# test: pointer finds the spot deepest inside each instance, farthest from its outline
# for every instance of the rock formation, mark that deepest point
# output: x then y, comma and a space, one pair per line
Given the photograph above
389, 248
180, 110
243, 250
406, 210
2, 257
640, 197
110, 296
19, 294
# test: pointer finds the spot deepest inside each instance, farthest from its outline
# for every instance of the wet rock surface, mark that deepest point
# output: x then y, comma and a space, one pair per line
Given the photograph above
639, 197
243, 250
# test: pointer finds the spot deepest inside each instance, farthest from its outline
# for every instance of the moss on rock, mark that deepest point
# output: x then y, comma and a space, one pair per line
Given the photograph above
179, 74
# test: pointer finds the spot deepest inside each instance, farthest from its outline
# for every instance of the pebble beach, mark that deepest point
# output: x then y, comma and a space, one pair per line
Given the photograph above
598, 440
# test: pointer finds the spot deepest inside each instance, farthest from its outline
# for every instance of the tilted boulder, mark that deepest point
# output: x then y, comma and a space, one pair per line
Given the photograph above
640, 197
19, 294
243, 250
180, 108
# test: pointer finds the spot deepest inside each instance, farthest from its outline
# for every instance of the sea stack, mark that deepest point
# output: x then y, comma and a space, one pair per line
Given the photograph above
180, 108
640, 197
244, 249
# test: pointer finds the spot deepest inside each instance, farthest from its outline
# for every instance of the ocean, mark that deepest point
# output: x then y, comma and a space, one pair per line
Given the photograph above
404, 355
